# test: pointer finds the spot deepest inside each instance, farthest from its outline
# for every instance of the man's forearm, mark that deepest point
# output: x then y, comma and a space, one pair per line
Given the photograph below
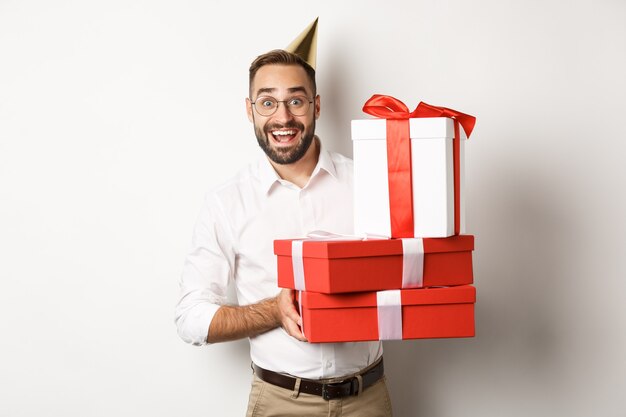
237, 322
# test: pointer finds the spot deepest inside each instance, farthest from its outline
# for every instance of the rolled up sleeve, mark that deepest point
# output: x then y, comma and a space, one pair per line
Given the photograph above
206, 273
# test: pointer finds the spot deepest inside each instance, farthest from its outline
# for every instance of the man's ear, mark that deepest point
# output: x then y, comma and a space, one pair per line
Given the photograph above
317, 106
249, 110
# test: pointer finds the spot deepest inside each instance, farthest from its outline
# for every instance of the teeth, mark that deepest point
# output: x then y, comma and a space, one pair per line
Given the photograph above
283, 132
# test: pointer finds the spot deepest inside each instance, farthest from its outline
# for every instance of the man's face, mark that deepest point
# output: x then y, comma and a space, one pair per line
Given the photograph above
285, 138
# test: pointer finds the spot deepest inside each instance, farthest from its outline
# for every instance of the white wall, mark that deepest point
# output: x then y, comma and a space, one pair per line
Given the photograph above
116, 116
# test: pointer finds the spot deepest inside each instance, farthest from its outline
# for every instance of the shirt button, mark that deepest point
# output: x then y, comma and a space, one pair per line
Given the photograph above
329, 364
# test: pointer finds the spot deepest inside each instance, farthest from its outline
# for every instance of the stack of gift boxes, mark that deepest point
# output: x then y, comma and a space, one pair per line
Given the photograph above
406, 273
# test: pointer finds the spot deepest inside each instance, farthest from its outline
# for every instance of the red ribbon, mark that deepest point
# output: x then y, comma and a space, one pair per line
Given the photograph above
399, 156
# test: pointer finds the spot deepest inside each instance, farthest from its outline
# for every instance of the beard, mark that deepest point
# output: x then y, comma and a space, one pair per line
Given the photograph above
284, 156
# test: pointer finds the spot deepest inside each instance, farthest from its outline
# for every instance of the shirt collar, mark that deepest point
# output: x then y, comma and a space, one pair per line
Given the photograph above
268, 175
324, 162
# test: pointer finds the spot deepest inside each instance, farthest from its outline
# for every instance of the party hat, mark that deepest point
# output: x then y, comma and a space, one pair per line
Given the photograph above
305, 45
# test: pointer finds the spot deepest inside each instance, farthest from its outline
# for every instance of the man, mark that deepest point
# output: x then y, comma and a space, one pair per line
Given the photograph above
298, 187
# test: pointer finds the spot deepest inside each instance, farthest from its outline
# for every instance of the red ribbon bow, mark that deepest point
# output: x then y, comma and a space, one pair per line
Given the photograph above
390, 108
399, 156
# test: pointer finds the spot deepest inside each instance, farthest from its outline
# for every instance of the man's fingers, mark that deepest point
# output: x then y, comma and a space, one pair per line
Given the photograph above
290, 317
293, 315
293, 330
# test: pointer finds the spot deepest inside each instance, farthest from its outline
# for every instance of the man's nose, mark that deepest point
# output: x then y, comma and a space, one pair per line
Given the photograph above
282, 112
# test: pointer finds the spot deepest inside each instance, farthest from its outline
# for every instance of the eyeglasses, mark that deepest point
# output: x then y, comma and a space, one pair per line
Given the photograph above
297, 105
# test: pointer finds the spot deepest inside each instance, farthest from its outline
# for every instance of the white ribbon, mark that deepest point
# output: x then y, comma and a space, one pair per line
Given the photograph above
298, 265
323, 235
389, 306
412, 263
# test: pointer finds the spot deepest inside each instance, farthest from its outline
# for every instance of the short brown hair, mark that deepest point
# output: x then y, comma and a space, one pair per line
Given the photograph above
281, 57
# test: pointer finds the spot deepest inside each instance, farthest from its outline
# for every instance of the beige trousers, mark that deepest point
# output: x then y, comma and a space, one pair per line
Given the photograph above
267, 400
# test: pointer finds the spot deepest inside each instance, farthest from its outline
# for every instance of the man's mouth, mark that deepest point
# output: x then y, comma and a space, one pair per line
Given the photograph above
284, 136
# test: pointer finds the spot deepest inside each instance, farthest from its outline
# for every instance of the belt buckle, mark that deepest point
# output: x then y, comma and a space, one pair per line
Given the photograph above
325, 394
353, 388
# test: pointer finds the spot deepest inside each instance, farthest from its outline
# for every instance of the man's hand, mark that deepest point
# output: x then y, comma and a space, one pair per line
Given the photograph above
289, 317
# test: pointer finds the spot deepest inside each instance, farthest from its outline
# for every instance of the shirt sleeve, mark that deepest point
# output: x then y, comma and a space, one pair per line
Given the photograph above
207, 270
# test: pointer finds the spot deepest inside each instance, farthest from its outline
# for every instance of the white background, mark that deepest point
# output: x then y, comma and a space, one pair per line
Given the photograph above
116, 116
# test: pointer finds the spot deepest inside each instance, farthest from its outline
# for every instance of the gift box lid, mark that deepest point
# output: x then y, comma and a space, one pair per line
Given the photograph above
420, 128
333, 249
422, 296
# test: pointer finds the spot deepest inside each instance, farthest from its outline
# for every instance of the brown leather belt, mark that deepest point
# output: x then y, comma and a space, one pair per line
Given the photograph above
328, 391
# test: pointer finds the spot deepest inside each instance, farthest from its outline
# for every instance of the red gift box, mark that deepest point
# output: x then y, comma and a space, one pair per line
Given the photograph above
388, 315
339, 266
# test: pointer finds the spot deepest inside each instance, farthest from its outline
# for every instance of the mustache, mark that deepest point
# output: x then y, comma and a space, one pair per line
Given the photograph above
292, 124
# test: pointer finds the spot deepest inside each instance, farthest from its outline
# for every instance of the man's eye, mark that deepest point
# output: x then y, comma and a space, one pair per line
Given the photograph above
267, 103
295, 102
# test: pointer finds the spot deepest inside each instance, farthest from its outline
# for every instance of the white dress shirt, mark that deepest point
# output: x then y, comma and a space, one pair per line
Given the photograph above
233, 239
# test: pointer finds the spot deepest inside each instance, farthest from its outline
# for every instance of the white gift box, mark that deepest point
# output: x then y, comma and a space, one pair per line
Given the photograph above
432, 177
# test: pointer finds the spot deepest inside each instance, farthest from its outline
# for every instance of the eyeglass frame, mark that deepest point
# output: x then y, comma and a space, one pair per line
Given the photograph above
308, 100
